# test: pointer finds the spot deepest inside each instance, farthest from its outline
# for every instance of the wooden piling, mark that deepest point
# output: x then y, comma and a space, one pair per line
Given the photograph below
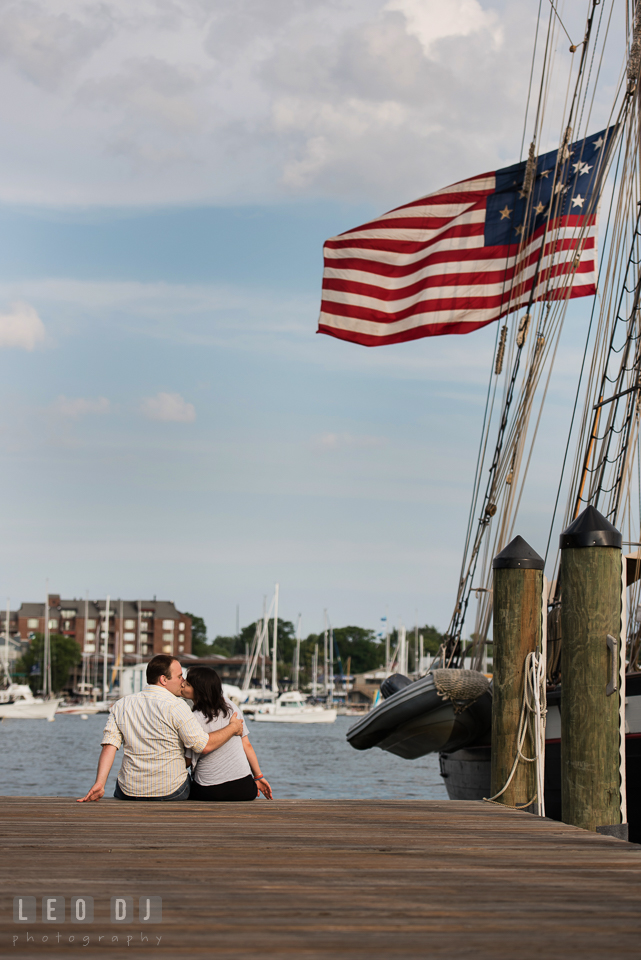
518, 587
590, 651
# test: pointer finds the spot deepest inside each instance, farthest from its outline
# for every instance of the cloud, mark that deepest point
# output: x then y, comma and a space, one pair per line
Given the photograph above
334, 441
432, 20
184, 102
45, 46
21, 327
170, 407
75, 407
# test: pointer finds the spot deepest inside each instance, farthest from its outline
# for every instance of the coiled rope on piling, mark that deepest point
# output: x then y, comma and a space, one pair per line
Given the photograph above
532, 721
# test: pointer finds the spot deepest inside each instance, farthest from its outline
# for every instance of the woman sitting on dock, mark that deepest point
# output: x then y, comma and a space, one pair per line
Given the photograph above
231, 772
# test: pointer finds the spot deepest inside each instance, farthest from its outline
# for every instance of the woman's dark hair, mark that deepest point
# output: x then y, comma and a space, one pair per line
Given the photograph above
208, 692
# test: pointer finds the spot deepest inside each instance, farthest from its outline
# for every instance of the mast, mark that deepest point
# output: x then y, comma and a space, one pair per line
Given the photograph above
46, 660
6, 640
121, 646
263, 647
401, 666
296, 670
325, 661
275, 646
331, 664
387, 650
105, 652
315, 671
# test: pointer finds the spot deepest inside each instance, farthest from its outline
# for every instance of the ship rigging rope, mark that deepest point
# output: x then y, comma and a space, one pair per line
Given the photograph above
583, 360
501, 535
532, 722
509, 445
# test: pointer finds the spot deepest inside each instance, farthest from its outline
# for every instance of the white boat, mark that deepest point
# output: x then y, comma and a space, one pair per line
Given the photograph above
292, 707
79, 708
18, 703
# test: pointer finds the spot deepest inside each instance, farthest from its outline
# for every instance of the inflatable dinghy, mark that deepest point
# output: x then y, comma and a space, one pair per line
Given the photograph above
446, 710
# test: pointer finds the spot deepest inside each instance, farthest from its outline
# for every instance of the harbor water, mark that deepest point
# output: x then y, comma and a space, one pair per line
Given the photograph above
301, 761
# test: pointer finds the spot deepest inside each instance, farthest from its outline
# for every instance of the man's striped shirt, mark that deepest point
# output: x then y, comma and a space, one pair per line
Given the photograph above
155, 728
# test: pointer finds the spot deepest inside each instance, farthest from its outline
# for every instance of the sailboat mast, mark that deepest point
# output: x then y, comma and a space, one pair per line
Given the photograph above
46, 672
275, 646
325, 664
296, 670
315, 671
331, 664
105, 651
6, 638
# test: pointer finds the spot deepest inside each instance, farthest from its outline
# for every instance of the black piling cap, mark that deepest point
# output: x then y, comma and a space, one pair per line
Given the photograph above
590, 529
518, 555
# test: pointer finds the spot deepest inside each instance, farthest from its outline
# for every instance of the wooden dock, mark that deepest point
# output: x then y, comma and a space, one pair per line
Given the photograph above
319, 879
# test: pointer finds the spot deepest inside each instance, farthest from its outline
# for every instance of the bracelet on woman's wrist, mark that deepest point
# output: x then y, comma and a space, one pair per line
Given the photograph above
259, 778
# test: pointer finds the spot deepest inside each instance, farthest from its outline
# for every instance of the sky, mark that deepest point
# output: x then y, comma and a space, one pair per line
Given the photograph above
170, 423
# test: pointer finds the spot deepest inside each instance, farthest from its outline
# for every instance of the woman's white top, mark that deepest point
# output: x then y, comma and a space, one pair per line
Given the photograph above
227, 762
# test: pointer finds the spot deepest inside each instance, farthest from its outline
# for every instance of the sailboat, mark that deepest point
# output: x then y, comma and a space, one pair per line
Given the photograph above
601, 463
18, 703
294, 706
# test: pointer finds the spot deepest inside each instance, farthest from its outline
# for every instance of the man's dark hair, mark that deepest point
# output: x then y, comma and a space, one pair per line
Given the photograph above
159, 666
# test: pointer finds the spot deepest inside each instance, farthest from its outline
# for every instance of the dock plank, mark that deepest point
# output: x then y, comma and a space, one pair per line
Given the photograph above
321, 879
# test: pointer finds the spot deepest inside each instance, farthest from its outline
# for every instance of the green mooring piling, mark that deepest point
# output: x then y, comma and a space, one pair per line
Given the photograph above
590, 650
518, 588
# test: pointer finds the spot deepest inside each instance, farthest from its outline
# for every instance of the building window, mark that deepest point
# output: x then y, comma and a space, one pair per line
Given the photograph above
168, 636
130, 648
167, 648
33, 623
90, 647
130, 624
181, 626
90, 635
130, 636
67, 613
144, 627
181, 648
168, 624
53, 624
91, 624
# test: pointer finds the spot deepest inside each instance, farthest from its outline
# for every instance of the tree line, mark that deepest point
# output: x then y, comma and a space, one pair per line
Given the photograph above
356, 649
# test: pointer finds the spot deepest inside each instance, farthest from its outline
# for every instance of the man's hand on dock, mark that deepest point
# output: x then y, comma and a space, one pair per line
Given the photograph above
105, 763
96, 792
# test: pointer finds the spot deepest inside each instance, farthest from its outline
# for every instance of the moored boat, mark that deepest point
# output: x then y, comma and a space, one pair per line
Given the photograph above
17, 702
292, 707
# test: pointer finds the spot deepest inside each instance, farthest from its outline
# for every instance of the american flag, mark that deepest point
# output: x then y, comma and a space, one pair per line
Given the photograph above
470, 253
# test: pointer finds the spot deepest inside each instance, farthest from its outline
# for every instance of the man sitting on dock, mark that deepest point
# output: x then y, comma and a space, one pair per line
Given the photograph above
155, 726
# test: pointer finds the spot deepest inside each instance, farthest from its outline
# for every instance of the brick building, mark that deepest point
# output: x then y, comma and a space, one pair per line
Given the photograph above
137, 628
